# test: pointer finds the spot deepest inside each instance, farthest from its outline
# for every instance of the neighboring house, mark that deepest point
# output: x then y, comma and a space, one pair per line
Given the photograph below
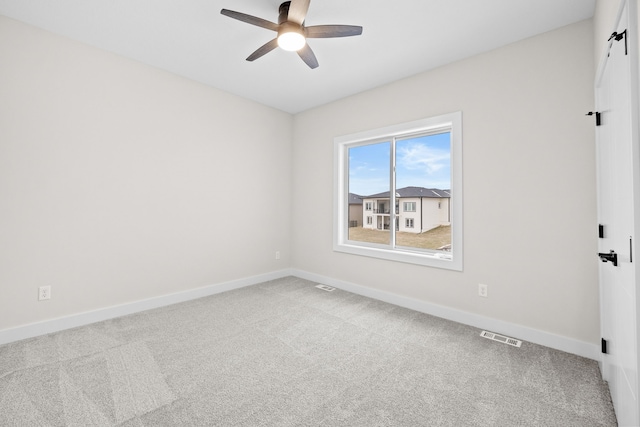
355, 210
418, 209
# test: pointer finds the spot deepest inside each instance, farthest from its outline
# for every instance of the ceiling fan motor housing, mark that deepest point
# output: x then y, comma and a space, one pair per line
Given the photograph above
283, 12
290, 27
294, 35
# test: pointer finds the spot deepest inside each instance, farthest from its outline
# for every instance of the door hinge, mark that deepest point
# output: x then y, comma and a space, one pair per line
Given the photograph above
600, 231
603, 345
619, 36
598, 117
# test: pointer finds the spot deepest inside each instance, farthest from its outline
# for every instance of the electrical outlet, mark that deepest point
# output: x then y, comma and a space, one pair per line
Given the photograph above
277, 254
483, 290
44, 292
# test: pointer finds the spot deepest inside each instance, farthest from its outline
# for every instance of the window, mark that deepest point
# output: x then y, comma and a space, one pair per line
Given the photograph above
420, 161
409, 206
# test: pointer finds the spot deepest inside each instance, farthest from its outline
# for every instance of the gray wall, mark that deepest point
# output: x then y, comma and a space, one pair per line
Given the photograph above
527, 145
120, 182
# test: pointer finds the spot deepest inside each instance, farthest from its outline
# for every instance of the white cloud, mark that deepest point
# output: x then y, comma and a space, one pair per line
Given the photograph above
417, 156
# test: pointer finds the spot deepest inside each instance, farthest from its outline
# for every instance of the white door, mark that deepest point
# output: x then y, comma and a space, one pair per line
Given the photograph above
618, 184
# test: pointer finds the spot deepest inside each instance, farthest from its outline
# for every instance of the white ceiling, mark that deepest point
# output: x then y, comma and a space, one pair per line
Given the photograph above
400, 38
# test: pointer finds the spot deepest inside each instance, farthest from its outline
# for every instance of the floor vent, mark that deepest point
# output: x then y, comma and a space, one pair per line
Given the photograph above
501, 338
325, 288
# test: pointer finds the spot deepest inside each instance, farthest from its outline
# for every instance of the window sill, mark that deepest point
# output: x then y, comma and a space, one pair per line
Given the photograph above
438, 260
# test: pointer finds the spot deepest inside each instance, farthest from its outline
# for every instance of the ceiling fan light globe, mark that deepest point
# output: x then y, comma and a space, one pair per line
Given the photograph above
291, 41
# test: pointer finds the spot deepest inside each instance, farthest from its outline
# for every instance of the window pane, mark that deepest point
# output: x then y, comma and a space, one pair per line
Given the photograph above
423, 183
369, 180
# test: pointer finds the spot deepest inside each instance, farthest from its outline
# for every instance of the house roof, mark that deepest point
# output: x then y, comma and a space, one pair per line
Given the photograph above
413, 192
355, 199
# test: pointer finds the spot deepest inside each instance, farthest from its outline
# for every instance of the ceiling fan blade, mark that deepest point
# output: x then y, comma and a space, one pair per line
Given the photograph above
308, 56
249, 19
298, 11
263, 50
328, 31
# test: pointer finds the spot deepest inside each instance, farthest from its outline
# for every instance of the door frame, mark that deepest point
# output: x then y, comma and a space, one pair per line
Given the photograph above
633, 41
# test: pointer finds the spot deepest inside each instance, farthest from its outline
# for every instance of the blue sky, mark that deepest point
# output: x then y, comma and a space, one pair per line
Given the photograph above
421, 162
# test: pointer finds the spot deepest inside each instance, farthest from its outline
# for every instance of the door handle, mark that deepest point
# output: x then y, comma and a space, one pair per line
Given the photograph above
611, 257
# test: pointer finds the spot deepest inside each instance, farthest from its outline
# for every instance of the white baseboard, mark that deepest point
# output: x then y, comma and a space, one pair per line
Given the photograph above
81, 319
547, 339
523, 333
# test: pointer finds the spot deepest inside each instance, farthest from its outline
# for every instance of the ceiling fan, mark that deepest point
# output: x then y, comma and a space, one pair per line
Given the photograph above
292, 33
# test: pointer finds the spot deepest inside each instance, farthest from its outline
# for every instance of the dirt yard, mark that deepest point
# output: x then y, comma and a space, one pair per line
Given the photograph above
432, 239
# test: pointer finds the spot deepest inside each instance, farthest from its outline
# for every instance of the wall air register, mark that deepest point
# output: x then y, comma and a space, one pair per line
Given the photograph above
501, 338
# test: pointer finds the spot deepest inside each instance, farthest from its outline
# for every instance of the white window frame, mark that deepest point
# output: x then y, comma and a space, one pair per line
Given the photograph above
368, 206
369, 220
452, 123
408, 223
